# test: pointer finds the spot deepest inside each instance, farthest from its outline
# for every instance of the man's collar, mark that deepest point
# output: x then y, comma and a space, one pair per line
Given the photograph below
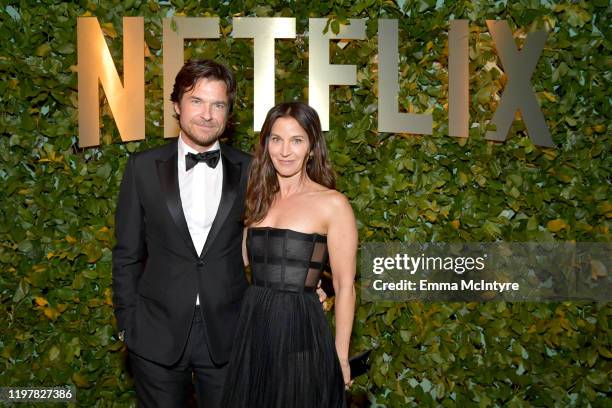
184, 148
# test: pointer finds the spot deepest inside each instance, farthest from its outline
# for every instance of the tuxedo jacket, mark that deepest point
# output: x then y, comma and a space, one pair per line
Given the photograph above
156, 269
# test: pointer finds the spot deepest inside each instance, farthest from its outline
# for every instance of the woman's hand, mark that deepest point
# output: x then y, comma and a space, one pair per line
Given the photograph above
346, 372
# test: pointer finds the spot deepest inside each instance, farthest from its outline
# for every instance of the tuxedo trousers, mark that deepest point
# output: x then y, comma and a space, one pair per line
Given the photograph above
172, 386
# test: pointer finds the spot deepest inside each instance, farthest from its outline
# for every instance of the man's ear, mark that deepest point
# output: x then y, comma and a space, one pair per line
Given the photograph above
177, 108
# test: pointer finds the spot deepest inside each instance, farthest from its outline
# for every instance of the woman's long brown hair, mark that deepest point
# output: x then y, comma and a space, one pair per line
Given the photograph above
263, 181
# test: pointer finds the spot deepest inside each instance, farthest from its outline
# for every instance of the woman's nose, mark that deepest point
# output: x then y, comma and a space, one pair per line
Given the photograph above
286, 149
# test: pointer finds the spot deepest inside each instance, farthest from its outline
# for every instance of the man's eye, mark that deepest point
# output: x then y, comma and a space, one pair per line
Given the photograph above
195, 101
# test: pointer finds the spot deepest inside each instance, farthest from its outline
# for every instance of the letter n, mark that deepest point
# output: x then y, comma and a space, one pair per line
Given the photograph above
95, 63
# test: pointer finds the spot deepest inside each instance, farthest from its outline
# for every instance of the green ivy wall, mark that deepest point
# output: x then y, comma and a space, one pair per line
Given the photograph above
58, 201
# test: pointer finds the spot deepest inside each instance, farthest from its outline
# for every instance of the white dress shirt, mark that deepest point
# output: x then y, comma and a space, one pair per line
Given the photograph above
200, 189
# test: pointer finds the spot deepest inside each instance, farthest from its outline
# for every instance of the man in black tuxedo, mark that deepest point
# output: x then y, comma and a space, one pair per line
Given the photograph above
178, 277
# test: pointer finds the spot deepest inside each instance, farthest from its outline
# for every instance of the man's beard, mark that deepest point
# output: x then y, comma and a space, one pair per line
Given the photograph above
205, 140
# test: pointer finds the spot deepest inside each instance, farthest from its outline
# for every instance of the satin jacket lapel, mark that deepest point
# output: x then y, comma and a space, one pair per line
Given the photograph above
167, 171
231, 184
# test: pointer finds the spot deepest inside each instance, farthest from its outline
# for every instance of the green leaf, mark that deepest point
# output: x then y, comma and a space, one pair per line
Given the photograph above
54, 353
22, 291
335, 26
43, 50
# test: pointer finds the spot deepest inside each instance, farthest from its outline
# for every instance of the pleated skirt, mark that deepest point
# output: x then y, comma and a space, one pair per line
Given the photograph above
283, 355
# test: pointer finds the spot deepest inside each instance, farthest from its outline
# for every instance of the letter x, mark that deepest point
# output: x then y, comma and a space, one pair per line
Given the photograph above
518, 94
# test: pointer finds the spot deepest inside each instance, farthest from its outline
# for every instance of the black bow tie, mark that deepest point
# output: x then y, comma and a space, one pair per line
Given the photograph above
210, 158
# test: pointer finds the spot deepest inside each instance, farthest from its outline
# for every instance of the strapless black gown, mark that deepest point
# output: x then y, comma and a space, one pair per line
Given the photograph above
283, 354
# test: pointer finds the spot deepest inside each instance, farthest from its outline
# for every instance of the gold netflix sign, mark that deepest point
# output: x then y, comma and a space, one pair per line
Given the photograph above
127, 102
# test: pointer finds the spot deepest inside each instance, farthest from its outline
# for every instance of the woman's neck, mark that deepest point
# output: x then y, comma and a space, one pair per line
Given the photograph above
292, 185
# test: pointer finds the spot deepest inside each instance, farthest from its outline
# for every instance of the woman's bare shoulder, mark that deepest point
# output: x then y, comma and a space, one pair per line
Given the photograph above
333, 200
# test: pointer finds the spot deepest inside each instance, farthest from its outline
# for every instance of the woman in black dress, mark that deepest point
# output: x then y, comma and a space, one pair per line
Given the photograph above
284, 354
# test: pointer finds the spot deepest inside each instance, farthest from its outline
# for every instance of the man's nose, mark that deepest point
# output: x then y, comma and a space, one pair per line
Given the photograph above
206, 111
